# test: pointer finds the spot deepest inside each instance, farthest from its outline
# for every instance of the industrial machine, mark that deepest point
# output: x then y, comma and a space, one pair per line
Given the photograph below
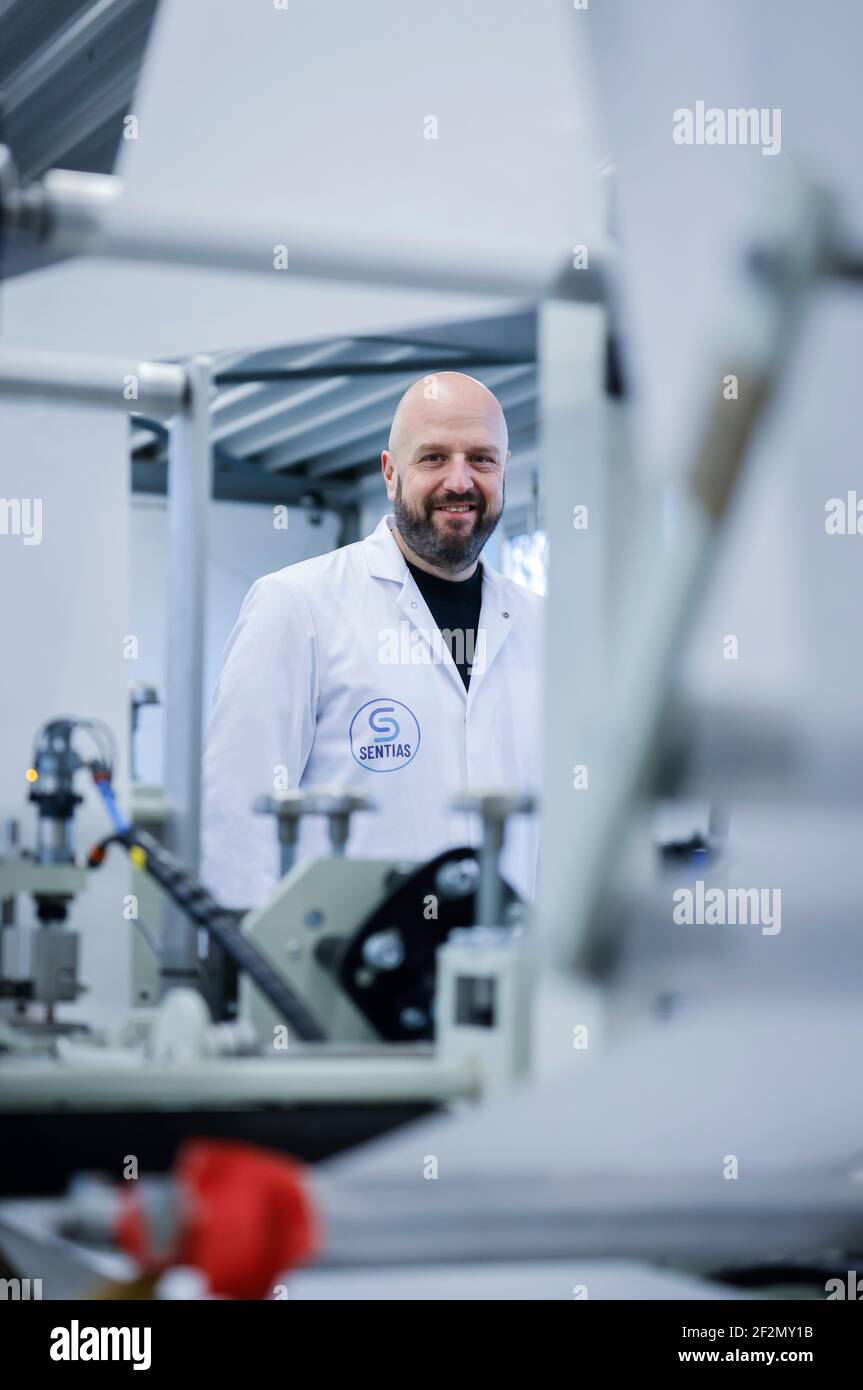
372, 985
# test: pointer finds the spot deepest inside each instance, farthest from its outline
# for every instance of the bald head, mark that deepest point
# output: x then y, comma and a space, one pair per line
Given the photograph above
446, 397
445, 470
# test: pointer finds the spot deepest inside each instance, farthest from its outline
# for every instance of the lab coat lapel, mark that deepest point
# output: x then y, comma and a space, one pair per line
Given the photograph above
496, 621
386, 561
416, 610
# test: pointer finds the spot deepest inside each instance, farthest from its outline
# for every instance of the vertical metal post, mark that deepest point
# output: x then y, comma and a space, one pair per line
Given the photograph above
349, 524
189, 492
571, 346
490, 894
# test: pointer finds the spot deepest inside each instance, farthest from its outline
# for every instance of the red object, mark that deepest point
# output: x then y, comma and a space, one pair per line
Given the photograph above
248, 1217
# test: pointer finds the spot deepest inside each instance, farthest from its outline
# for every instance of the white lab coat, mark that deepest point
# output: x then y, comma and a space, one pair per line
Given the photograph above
335, 672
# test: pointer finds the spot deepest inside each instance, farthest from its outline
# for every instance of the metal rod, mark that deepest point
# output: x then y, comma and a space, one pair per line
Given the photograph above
315, 1074
154, 388
384, 1218
189, 487
73, 213
237, 376
490, 894
516, 272
575, 485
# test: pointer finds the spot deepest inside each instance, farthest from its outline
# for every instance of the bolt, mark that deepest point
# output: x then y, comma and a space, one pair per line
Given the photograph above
384, 950
412, 1018
457, 878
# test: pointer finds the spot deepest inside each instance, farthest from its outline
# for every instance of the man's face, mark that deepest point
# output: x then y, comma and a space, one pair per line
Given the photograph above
448, 492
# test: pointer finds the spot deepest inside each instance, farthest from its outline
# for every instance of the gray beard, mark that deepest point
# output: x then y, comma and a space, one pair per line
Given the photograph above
449, 552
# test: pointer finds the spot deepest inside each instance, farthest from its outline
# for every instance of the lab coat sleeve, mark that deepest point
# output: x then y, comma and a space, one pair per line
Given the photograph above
258, 739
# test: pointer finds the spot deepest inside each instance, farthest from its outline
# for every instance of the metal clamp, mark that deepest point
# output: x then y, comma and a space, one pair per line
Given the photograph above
336, 803
494, 809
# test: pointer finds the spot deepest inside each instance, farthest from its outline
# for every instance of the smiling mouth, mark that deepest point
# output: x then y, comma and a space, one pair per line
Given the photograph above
457, 509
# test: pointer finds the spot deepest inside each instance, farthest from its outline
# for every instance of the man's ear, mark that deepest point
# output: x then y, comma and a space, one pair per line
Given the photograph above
388, 469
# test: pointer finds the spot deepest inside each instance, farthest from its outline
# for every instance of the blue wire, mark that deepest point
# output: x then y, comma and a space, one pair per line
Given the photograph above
121, 825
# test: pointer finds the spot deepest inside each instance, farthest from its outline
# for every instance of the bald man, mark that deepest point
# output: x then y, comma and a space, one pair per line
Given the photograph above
401, 667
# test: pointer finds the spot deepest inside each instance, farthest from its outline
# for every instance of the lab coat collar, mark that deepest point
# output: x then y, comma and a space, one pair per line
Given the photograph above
497, 617
384, 557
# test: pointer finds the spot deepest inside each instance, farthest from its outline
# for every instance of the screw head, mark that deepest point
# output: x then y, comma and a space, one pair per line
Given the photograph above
385, 950
412, 1018
457, 878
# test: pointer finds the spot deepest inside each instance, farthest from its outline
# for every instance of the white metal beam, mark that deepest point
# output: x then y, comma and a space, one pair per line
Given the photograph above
146, 388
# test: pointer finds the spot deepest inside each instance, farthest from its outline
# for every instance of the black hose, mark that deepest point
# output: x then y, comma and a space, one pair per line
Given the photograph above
199, 905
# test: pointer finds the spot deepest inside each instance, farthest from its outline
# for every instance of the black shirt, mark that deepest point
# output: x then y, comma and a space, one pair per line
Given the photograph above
455, 606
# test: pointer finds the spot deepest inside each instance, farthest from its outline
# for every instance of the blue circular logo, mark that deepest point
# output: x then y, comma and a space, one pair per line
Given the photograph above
384, 735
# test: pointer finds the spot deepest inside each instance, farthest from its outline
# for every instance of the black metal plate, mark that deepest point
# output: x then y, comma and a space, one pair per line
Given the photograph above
384, 998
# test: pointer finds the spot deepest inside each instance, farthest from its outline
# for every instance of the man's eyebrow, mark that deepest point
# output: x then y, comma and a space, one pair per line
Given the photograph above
445, 449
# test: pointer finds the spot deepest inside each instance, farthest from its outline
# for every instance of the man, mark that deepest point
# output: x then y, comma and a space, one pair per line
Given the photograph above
400, 666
